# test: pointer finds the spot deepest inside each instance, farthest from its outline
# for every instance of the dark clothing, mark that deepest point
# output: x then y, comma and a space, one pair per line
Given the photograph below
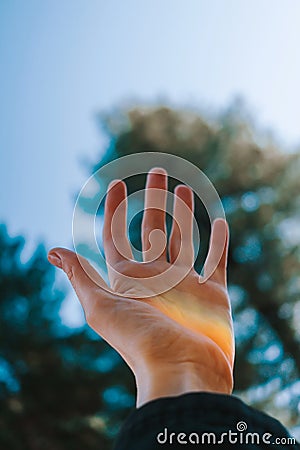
203, 419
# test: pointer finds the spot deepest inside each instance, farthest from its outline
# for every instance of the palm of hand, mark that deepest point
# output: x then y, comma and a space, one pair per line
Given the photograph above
146, 323
186, 318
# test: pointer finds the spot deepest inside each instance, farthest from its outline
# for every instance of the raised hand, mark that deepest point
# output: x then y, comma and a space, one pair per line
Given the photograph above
176, 336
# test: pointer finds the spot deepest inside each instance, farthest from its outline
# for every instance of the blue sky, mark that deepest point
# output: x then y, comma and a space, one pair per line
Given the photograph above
64, 60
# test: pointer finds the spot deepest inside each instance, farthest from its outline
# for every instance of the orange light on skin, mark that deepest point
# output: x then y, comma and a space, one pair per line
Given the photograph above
206, 320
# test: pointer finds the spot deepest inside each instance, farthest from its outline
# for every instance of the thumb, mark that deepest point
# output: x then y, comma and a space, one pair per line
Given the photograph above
86, 281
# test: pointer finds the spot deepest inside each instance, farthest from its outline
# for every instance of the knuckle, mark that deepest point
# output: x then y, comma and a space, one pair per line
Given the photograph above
70, 274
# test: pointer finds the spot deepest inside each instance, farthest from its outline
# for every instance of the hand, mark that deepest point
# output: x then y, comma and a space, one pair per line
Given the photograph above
177, 341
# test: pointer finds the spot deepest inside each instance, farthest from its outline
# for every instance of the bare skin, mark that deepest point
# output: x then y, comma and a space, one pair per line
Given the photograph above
177, 341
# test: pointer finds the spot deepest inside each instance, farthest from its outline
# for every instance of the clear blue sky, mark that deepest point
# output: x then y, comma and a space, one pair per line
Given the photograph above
61, 61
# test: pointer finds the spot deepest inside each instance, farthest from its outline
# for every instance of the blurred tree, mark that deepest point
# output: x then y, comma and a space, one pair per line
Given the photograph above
66, 389
54, 390
259, 185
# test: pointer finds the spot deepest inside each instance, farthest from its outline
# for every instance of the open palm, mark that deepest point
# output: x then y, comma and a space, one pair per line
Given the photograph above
157, 313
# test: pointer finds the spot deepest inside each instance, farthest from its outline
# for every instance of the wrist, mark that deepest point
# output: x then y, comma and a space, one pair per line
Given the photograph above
173, 380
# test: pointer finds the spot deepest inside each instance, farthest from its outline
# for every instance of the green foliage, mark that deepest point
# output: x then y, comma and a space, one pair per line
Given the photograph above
258, 184
54, 390
67, 389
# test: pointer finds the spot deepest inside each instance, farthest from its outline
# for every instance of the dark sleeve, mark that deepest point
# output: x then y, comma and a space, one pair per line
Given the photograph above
199, 419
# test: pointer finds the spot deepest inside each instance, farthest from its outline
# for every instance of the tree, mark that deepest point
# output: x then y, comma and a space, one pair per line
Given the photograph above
258, 184
54, 389
62, 388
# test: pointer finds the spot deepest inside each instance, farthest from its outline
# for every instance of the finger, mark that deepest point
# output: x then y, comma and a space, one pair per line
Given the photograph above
181, 237
86, 281
115, 241
215, 267
154, 219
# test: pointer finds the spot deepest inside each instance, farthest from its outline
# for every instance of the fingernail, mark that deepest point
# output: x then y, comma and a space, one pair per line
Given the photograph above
55, 259
158, 171
113, 183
